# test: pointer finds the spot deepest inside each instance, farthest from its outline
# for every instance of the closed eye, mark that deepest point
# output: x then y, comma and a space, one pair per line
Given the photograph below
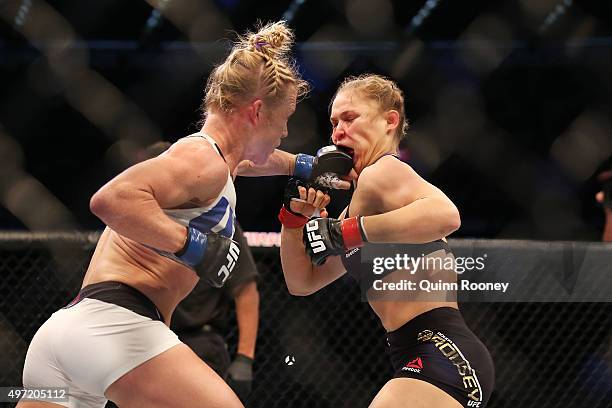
347, 119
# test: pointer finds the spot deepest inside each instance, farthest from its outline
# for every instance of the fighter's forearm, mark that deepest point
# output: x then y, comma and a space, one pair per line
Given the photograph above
280, 163
296, 265
247, 317
136, 215
421, 221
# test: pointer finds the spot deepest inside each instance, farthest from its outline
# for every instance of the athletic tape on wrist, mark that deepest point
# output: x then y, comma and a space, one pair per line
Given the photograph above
291, 220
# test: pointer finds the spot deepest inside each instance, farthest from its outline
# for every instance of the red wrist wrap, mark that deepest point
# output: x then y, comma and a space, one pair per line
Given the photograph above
291, 220
351, 233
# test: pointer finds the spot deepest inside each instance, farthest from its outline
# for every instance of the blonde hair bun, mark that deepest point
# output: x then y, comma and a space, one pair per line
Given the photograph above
273, 39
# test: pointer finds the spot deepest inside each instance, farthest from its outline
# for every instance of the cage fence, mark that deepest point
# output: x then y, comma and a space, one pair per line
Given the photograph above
328, 349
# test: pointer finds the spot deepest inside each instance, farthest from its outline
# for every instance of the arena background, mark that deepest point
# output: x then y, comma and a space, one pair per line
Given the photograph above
510, 108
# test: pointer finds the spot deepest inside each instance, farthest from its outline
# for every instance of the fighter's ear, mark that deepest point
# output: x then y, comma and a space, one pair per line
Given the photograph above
392, 117
254, 111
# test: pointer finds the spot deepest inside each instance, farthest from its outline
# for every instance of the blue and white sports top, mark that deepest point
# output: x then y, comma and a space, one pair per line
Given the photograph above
218, 217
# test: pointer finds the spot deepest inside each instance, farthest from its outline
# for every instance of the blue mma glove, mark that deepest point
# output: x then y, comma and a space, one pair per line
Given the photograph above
212, 256
330, 163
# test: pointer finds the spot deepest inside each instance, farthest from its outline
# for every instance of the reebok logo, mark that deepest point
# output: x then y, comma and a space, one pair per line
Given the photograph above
415, 365
351, 252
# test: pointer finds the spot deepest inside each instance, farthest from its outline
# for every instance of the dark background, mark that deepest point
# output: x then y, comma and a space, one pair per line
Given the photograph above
509, 101
510, 110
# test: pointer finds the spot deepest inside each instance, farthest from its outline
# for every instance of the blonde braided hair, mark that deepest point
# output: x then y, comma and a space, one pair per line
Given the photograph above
259, 66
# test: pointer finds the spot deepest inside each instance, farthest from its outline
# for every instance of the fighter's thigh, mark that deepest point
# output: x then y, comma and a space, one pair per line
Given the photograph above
412, 393
37, 404
175, 378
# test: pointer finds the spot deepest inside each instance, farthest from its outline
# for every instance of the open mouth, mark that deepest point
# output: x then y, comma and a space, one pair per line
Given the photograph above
347, 150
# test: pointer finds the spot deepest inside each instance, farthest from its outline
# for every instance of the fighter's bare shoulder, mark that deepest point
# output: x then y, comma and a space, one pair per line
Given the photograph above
389, 180
197, 164
385, 173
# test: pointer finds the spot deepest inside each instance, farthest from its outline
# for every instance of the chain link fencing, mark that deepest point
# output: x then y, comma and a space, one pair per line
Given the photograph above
328, 349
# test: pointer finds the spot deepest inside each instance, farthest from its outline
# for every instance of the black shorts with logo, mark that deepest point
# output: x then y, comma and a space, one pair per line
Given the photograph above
437, 347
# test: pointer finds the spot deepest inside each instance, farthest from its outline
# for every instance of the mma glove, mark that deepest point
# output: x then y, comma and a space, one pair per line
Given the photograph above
320, 172
325, 237
212, 256
330, 163
286, 216
240, 376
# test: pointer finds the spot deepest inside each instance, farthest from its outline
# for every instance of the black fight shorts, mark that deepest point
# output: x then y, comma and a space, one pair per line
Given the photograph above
437, 347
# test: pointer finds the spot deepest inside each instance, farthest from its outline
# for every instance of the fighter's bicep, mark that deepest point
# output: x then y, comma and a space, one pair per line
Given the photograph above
180, 178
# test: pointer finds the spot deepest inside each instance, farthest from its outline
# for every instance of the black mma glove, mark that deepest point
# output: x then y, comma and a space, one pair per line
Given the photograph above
286, 216
322, 171
240, 376
210, 255
325, 237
